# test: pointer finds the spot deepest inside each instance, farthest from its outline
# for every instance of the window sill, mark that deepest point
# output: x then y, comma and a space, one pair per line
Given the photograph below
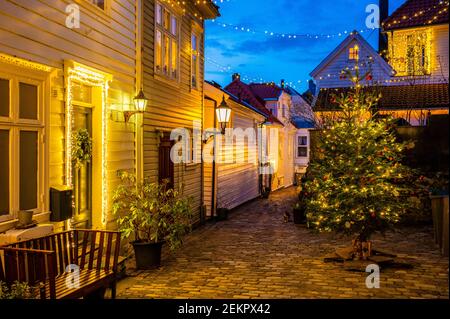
10, 224
166, 80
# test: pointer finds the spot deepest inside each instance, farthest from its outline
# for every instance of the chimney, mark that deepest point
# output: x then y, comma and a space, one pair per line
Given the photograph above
283, 84
382, 38
236, 76
312, 87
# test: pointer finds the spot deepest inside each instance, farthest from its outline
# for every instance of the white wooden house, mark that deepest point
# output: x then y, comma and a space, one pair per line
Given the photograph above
353, 51
233, 177
57, 78
412, 78
173, 75
277, 104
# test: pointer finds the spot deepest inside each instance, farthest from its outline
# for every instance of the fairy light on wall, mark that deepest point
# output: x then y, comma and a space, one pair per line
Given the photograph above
79, 74
5, 58
421, 13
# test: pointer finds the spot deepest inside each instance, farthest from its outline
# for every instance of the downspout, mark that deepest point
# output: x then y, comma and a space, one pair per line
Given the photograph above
213, 192
139, 84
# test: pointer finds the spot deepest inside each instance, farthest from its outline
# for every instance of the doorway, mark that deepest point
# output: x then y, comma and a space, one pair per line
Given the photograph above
166, 166
82, 176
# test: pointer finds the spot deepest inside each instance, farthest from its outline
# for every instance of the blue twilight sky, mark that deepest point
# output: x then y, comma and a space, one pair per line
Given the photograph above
257, 55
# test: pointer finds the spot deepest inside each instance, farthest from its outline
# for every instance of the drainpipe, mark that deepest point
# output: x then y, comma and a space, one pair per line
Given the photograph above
213, 192
139, 84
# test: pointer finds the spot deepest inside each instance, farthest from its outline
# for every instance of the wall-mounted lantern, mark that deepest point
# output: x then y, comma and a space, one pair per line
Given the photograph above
223, 113
140, 103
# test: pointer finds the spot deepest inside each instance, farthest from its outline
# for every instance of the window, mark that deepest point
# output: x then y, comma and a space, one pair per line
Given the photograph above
416, 55
302, 146
98, 3
4, 97
410, 54
166, 43
195, 60
20, 156
353, 53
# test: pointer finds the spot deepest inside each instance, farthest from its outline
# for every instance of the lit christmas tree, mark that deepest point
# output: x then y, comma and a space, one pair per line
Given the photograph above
356, 183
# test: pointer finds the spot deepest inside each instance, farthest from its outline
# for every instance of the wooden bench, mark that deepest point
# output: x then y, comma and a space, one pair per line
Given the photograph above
43, 261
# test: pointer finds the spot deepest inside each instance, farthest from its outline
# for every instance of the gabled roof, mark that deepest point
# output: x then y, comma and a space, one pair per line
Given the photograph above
208, 9
243, 92
236, 99
394, 97
302, 123
291, 91
344, 45
266, 91
415, 13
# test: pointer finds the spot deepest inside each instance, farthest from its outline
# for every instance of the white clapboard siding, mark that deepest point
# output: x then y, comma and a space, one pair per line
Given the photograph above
172, 105
237, 182
329, 75
439, 52
36, 31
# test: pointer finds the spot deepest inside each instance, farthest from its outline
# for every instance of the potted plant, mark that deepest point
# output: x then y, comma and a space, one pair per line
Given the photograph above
152, 214
222, 204
299, 213
265, 193
222, 214
17, 290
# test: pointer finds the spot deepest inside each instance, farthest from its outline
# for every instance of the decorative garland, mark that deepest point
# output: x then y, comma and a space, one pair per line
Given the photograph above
81, 147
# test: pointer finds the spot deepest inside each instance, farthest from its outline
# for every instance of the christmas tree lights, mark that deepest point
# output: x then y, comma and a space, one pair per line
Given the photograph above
356, 183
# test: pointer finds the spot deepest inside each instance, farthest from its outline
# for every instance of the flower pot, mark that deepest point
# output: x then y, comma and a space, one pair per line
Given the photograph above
439, 205
222, 214
299, 216
148, 255
25, 218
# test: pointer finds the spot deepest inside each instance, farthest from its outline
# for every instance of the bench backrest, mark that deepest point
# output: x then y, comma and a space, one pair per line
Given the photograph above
87, 249
28, 265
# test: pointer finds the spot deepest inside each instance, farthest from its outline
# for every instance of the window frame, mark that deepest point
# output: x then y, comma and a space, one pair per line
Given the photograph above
105, 5
198, 37
168, 33
15, 125
302, 146
353, 53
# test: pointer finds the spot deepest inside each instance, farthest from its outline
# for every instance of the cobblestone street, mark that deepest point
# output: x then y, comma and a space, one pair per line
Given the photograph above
254, 254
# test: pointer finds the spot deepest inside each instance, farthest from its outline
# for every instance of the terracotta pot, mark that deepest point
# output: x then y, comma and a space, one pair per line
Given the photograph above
25, 217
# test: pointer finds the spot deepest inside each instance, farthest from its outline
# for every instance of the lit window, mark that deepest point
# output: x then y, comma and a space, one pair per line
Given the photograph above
21, 129
195, 60
416, 55
302, 147
166, 42
353, 53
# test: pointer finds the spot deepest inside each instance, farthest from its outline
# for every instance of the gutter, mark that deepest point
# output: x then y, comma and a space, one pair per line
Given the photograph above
213, 191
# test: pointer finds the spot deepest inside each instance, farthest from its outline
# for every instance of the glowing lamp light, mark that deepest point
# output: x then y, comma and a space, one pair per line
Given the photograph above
140, 104
223, 112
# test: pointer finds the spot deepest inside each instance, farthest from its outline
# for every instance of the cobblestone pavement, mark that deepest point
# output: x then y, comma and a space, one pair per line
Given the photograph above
254, 254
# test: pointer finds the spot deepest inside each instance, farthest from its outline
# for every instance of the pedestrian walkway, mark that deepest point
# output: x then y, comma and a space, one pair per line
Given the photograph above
255, 254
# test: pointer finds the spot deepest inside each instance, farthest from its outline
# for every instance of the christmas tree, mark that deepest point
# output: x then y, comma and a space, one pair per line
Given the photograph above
356, 183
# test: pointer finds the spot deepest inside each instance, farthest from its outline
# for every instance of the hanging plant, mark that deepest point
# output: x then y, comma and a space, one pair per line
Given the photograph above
81, 147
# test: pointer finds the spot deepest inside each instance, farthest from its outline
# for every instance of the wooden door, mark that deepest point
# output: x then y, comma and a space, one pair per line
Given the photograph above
82, 177
166, 166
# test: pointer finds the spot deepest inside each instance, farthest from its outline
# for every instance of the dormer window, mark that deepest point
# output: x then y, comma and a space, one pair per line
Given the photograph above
353, 53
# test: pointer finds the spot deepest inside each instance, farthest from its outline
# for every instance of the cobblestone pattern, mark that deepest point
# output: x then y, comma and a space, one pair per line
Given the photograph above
255, 254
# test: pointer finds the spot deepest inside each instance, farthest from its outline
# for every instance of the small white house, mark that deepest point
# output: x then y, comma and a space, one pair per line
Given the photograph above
233, 177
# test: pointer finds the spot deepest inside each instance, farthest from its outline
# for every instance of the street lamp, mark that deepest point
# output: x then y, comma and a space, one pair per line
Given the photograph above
140, 103
223, 113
